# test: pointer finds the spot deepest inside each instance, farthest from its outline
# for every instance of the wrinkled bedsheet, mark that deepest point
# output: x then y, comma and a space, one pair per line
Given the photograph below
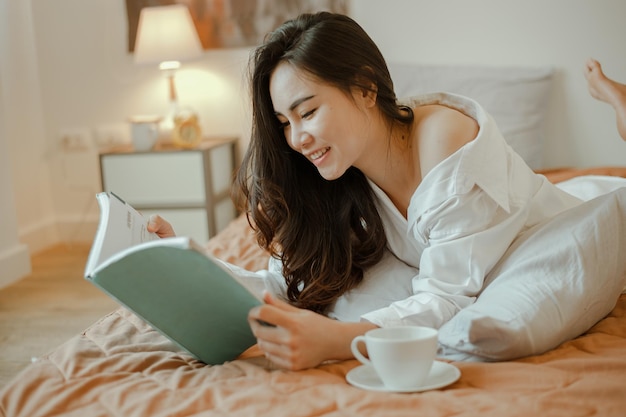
121, 367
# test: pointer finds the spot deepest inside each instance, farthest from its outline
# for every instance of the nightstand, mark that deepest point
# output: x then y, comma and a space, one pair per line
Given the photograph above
190, 188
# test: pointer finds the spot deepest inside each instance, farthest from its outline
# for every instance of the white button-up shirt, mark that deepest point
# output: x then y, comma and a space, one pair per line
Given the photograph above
461, 219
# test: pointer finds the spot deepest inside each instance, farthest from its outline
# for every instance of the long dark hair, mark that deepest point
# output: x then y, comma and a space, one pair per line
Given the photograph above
326, 233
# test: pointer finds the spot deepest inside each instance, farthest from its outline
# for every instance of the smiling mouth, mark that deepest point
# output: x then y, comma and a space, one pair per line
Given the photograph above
318, 154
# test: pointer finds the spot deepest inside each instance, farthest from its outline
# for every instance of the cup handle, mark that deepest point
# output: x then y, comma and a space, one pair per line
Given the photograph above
354, 346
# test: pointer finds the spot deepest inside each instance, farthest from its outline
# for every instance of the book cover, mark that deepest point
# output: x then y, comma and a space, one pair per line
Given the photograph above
171, 283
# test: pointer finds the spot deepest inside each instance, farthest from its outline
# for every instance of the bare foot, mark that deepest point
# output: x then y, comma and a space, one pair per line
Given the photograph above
605, 89
601, 87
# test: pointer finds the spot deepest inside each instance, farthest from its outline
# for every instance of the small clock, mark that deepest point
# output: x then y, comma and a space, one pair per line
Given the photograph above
187, 132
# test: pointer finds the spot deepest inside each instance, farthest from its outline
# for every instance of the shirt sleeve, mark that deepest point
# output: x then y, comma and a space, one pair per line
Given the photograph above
269, 279
463, 238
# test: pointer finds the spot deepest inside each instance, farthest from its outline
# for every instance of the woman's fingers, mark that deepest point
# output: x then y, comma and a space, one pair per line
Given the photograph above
266, 319
158, 225
272, 340
274, 312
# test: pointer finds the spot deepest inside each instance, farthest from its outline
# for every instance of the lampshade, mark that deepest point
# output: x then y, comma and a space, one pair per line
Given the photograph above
166, 33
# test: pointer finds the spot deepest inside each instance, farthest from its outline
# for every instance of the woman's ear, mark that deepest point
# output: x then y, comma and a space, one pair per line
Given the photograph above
366, 89
370, 94
365, 94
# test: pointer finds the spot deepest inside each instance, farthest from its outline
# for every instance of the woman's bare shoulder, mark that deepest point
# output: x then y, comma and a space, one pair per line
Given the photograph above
439, 132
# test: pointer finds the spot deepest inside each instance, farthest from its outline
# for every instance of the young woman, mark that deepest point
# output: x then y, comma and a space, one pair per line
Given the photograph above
377, 212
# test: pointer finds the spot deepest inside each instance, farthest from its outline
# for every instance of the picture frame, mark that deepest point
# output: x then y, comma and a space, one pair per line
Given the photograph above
234, 23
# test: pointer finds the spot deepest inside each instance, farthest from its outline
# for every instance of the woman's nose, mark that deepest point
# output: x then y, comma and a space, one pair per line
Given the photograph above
300, 139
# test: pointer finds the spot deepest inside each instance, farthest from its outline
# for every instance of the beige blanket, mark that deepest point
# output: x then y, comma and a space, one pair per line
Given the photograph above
121, 367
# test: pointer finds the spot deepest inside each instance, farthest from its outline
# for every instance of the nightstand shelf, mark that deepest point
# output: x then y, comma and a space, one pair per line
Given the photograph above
188, 187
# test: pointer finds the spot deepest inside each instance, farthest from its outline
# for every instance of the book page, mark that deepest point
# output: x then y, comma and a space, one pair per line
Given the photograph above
120, 227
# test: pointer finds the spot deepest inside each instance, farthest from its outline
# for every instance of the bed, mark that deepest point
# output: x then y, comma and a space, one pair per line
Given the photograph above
120, 366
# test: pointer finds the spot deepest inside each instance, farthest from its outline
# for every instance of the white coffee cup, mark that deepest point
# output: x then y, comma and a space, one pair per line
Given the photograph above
401, 356
144, 132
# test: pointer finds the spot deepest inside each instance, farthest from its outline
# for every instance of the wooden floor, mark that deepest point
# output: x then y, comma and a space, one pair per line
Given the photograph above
43, 310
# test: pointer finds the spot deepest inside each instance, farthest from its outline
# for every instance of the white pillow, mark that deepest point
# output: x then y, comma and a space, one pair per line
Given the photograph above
587, 187
516, 97
556, 281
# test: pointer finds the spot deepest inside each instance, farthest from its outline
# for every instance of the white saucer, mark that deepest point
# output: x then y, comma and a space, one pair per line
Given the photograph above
441, 374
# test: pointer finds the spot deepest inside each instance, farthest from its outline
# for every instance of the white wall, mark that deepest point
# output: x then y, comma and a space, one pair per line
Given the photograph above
69, 69
14, 256
557, 33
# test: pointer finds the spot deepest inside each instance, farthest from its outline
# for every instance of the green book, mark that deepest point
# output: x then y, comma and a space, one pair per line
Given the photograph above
171, 283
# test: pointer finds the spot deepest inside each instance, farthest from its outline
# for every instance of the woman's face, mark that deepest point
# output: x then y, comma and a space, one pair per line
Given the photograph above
320, 121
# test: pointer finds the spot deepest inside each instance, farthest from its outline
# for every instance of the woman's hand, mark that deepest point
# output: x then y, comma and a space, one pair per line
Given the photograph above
301, 339
158, 225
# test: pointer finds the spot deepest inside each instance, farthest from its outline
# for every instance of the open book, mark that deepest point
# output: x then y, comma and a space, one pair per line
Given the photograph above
171, 283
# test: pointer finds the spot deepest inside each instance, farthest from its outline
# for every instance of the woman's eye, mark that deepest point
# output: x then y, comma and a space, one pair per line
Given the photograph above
283, 125
308, 114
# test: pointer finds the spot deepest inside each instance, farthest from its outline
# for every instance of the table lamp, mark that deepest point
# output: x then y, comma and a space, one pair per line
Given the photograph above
166, 35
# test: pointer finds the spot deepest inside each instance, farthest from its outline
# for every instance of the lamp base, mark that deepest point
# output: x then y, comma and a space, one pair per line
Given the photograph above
166, 126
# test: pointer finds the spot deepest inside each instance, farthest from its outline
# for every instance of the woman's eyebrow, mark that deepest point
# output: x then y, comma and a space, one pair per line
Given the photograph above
295, 104
299, 101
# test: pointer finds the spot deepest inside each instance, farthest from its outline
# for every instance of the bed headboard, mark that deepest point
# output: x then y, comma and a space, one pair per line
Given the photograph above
517, 97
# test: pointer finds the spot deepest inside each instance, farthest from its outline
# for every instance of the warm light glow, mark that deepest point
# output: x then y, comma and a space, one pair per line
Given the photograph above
166, 33
169, 65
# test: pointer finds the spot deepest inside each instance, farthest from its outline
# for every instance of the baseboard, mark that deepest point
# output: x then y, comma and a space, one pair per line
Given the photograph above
40, 236
51, 233
14, 264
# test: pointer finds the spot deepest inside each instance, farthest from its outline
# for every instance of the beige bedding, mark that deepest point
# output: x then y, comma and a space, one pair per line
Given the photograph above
121, 367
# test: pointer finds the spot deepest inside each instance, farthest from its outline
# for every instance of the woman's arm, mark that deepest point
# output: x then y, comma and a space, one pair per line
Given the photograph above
301, 339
